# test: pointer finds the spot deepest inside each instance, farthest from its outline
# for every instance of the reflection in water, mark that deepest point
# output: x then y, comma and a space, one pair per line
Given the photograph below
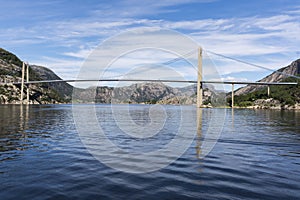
232, 117
24, 115
14, 121
24, 127
199, 132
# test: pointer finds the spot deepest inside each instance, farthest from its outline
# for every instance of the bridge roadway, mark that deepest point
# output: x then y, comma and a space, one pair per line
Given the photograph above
156, 80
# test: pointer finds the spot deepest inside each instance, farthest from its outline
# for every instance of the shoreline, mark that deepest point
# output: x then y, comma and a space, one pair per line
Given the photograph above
255, 107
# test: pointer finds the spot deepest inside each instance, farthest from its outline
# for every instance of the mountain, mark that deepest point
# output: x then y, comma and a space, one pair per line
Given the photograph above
281, 96
148, 93
11, 71
63, 89
292, 69
135, 93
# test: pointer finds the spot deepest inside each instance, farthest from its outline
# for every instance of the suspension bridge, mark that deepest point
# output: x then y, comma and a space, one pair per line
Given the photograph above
199, 81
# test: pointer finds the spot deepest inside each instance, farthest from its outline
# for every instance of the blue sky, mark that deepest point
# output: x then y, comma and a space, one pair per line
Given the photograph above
60, 34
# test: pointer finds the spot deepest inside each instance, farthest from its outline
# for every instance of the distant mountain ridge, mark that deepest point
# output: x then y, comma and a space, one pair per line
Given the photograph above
149, 93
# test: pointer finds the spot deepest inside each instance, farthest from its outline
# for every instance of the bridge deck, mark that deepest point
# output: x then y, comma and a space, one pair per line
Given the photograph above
158, 80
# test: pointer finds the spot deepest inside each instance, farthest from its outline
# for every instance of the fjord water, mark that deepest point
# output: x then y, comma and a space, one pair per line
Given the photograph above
42, 157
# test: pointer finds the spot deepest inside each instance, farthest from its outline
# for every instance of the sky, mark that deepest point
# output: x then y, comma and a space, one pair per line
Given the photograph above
62, 34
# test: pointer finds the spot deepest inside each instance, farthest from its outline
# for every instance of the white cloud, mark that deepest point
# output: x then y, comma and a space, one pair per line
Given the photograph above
268, 41
239, 37
231, 78
215, 35
137, 8
207, 25
82, 53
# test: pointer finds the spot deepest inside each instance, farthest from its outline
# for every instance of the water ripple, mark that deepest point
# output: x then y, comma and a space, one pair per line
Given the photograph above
42, 157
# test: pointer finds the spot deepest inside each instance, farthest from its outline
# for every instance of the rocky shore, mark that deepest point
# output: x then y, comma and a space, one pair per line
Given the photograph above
272, 104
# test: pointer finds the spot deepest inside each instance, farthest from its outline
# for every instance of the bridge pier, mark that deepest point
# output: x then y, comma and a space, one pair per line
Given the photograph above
22, 82
199, 80
232, 96
268, 89
27, 80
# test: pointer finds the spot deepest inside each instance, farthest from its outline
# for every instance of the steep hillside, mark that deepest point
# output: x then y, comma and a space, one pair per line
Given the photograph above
10, 71
63, 89
292, 69
281, 96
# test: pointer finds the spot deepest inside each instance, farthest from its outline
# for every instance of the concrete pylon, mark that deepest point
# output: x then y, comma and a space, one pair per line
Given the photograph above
232, 96
199, 79
25, 67
27, 80
22, 82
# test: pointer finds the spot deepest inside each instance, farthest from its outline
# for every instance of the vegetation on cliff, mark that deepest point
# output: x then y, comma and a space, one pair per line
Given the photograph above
281, 95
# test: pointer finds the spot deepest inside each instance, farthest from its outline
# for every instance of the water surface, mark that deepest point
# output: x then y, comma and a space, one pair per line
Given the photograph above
42, 157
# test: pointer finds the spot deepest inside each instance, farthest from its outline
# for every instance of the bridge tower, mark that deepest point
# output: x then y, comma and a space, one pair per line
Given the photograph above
25, 67
199, 79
